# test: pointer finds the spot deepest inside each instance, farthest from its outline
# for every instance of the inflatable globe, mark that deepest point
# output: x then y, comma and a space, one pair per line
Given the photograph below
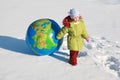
41, 36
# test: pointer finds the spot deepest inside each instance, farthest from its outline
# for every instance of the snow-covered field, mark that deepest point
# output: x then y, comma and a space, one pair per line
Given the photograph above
99, 59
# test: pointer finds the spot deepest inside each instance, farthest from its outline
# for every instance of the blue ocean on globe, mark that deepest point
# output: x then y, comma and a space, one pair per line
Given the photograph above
41, 36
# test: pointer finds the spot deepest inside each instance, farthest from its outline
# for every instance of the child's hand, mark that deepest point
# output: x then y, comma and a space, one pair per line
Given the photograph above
88, 40
87, 43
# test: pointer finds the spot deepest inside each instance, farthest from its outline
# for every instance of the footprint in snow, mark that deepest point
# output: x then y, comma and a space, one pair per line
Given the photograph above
82, 54
113, 64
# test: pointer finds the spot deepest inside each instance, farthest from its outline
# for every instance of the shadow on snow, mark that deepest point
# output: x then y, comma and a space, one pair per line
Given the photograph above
16, 45
20, 46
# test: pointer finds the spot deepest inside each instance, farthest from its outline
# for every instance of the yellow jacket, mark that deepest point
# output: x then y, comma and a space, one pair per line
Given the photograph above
76, 33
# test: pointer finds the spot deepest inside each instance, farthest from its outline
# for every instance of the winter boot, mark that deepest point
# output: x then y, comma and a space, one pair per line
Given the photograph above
73, 57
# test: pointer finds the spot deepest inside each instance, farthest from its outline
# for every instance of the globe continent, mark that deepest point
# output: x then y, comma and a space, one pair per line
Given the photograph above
41, 36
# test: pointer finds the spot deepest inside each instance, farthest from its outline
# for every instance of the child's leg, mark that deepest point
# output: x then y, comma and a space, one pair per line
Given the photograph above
73, 57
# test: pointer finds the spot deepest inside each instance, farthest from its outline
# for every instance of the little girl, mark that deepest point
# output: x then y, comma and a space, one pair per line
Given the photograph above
74, 26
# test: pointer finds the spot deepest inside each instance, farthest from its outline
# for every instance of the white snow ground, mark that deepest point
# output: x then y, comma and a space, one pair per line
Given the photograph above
99, 59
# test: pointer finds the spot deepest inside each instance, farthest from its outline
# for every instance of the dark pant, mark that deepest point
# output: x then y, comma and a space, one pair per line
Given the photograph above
73, 57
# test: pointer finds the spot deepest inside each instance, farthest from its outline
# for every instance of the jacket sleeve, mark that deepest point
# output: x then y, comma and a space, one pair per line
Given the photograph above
62, 32
84, 32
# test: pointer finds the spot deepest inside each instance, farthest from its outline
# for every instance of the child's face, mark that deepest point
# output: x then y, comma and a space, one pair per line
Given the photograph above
75, 18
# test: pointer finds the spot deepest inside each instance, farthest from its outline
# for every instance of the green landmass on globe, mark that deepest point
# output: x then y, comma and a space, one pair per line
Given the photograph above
43, 33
